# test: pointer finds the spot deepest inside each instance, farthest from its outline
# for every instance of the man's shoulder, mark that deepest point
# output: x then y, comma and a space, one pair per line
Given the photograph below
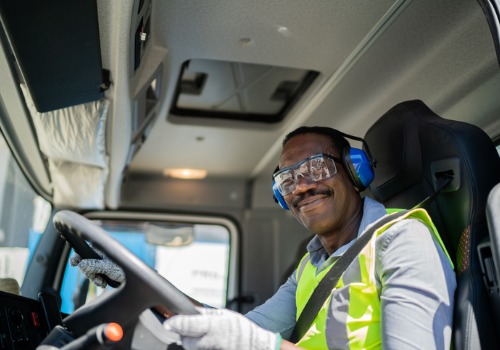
406, 232
372, 212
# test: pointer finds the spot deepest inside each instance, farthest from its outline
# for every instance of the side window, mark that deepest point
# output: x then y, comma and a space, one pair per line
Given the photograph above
23, 217
193, 257
498, 150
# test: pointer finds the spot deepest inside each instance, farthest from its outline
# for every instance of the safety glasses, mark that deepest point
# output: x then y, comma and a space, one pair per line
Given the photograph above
317, 167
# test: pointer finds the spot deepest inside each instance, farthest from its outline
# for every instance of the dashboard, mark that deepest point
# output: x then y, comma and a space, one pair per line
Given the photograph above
24, 322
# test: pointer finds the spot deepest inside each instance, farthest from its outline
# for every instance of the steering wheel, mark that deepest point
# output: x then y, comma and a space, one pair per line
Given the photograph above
143, 288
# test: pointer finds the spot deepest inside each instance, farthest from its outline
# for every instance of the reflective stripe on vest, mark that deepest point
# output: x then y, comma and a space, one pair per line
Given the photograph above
355, 310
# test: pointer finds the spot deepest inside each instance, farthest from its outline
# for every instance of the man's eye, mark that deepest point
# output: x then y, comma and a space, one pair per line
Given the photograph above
317, 168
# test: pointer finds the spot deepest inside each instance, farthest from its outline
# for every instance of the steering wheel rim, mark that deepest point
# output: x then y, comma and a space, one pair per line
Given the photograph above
142, 289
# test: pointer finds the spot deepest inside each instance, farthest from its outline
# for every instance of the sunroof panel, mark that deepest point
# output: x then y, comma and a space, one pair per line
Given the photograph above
238, 91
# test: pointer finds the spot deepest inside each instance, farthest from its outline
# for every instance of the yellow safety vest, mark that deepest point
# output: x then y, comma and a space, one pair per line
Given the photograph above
361, 319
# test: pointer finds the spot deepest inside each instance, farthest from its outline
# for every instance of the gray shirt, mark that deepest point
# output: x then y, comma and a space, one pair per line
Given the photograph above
414, 278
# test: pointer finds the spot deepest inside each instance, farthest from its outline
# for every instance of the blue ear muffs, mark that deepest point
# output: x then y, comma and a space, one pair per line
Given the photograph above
278, 198
358, 167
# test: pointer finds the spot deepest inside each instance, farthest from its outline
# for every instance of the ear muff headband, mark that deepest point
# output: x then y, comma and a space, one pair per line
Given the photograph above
278, 198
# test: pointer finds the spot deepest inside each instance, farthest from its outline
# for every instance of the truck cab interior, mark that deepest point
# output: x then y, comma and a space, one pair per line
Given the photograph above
151, 130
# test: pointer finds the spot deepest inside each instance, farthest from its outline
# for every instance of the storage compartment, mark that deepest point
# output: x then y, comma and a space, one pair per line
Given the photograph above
144, 113
57, 47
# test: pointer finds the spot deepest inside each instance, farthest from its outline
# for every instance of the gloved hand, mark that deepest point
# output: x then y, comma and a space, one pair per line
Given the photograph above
92, 268
221, 329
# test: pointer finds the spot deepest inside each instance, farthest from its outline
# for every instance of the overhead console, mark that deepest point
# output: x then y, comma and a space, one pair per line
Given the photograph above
141, 30
144, 111
149, 89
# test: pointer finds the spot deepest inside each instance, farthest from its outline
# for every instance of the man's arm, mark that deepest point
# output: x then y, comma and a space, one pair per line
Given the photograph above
225, 330
262, 328
278, 313
417, 288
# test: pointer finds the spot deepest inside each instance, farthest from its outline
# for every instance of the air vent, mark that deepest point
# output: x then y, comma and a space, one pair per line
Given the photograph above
238, 91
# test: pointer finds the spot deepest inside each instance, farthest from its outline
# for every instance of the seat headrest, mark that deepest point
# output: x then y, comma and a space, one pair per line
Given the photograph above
412, 146
398, 157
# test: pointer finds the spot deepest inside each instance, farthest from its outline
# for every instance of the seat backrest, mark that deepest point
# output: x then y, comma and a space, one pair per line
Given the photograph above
413, 147
493, 217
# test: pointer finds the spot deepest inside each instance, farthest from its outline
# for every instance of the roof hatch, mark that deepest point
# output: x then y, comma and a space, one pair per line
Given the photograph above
238, 91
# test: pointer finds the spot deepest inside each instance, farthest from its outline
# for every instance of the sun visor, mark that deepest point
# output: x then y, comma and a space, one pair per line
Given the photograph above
73, 140
74, 133
77, 185
56, 44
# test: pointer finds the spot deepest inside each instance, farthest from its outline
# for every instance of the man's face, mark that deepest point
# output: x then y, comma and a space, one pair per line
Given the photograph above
324, 206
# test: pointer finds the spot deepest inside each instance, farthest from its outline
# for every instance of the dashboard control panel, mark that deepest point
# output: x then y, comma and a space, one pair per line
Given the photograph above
23, 322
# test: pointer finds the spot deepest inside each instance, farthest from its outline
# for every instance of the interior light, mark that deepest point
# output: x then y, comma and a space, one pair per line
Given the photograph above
188, 174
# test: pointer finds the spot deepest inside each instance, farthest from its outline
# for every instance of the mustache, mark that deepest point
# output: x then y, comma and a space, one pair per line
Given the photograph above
310, 193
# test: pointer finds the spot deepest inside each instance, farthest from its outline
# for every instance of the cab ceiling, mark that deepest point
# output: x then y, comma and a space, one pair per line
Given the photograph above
258, 32
370, 56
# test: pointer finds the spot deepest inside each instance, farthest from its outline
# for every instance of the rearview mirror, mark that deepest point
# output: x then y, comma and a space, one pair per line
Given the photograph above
175, 235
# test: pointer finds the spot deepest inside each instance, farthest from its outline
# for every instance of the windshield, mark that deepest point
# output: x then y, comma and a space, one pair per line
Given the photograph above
193, 257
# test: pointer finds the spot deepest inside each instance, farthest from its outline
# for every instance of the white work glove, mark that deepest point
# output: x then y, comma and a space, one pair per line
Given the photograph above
221, 329
92, 268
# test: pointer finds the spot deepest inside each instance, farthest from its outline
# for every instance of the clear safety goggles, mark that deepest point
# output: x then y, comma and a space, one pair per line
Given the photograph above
317, 167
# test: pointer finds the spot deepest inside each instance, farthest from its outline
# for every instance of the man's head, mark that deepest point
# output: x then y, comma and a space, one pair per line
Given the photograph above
318, 189
337, 138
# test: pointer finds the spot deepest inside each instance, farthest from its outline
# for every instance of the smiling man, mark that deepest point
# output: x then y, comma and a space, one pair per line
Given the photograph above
397, 293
